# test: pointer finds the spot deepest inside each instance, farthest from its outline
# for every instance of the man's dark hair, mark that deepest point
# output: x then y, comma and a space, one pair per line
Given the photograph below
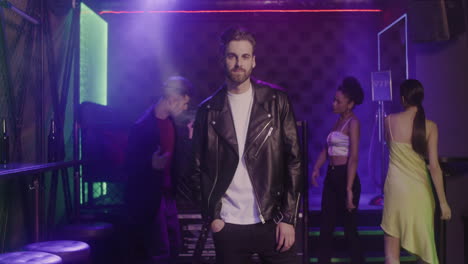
236, 33
177, 85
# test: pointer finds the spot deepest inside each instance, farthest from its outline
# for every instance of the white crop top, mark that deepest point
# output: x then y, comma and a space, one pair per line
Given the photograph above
338, 142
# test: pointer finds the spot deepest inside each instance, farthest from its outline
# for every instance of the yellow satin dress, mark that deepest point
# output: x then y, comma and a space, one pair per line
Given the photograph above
409, 202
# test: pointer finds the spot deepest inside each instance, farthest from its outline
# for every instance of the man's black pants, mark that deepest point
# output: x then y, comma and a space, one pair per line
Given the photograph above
237, 243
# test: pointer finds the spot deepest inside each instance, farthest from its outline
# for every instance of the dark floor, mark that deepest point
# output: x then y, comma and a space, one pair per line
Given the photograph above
369, 230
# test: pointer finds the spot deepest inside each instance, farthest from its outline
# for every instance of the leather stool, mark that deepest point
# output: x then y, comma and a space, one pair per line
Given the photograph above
97, 234
71, 252
31, 257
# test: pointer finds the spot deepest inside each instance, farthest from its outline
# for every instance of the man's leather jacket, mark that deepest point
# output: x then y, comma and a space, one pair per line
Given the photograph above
272, 153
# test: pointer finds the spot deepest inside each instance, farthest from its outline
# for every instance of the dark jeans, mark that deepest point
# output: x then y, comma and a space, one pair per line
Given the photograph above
334, 206
235, 244
167, 232
157, 238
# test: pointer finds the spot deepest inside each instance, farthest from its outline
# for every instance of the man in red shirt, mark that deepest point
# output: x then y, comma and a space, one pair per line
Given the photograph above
151, 184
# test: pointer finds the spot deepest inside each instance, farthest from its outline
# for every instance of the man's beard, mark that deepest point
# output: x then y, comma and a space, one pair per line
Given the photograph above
238, 77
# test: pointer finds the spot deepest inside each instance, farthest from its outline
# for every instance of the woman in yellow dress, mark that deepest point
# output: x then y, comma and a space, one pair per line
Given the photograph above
408, 215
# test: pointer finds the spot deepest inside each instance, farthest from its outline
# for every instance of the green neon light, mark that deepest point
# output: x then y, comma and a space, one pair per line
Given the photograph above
97, 191
93, 57
360, 232
104, 188
382, 259
85, 186
81, 168
367, 259
81, 189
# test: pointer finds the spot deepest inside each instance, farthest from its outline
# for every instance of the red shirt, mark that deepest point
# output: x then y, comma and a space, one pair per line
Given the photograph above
167, 143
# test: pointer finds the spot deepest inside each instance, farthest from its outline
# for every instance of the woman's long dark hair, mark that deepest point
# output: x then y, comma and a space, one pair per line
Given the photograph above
412, 92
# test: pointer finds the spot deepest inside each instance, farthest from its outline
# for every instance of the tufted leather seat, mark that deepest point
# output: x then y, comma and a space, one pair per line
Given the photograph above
71, 252
97, 234
29, 257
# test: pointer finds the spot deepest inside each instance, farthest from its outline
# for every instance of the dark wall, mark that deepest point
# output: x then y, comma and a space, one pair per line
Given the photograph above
443, 69
441, 66
307, 54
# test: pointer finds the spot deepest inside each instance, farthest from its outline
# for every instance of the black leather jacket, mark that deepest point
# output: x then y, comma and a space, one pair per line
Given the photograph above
272, 153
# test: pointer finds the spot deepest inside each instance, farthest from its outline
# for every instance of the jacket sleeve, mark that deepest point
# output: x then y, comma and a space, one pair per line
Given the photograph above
292, 153
198, 148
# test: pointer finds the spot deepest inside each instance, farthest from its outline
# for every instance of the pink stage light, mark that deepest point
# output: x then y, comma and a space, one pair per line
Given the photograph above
246, 11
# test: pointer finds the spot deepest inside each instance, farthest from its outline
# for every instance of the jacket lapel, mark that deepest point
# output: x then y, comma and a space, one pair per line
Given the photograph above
260, 118
223, 123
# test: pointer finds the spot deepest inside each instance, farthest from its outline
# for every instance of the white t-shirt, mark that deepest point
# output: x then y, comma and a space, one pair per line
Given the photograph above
238, 204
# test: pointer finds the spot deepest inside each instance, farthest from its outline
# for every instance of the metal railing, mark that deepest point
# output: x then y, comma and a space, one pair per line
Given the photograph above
35, 182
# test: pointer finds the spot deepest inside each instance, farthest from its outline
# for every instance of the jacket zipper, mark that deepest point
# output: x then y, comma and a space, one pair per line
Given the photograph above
263, 129
216, 174
264, 140
260, 212
256, 201
297, 207
255, 192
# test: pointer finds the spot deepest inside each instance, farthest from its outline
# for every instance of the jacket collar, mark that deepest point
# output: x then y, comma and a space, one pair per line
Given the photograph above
261, 93
259, 116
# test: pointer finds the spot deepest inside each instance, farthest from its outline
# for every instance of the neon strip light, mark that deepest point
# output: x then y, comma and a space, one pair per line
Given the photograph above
247, 11
93, 57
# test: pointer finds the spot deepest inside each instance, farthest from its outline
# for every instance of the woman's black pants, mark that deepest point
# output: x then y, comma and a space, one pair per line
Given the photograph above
333, 207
